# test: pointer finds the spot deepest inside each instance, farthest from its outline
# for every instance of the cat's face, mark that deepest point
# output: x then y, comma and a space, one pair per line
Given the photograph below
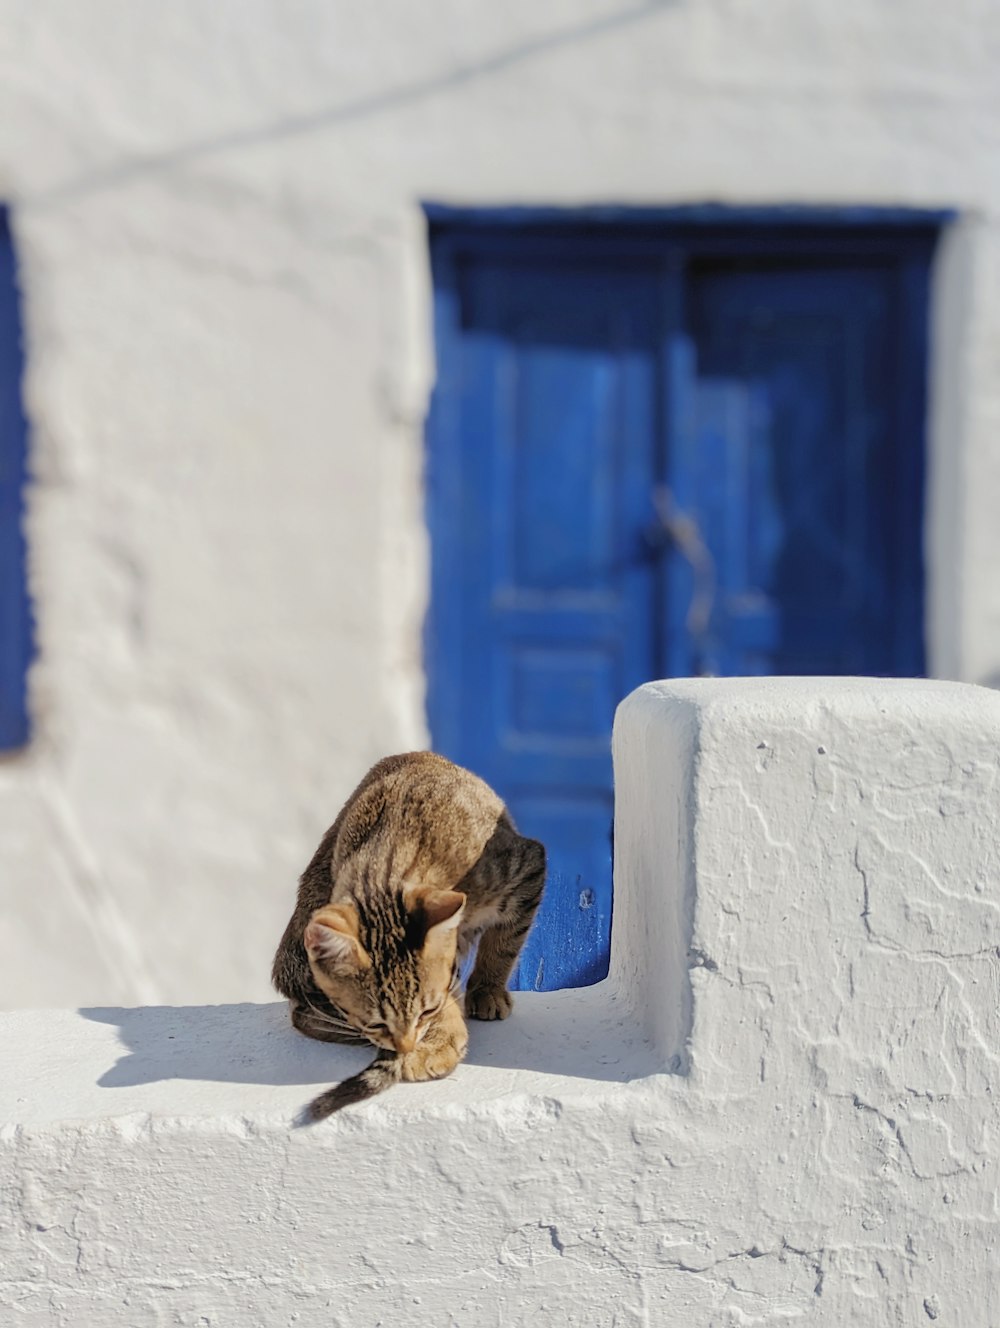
387, 964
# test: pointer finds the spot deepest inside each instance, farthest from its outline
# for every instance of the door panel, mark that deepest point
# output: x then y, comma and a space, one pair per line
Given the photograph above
793, 466
558, 439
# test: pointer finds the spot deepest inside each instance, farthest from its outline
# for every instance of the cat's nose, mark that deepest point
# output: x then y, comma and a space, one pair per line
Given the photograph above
404, 1042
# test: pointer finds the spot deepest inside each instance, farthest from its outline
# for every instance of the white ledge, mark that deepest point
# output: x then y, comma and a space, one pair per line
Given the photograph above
245, 1062
806, 932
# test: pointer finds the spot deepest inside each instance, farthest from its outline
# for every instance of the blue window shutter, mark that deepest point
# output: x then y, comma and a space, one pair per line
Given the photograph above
15, 622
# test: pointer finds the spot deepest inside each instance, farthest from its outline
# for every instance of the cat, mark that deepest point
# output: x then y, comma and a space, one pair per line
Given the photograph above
423, 860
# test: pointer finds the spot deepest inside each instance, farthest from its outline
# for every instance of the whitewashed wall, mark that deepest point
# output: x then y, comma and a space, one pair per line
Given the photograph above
226, 295
792, 1121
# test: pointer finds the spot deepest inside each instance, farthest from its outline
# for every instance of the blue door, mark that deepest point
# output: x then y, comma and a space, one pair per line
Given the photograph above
656, 455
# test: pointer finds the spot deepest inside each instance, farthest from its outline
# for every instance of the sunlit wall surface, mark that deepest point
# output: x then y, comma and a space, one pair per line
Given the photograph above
227, 302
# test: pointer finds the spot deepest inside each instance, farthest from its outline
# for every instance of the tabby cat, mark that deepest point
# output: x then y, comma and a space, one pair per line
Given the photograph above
422, 861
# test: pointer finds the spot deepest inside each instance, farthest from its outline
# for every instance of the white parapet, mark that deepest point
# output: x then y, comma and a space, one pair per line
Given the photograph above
781, 1105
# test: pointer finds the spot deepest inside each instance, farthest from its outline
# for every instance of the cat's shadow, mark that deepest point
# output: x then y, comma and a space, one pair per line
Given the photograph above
576, 1033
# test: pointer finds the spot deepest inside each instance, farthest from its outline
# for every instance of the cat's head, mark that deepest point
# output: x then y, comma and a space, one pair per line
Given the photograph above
387, 963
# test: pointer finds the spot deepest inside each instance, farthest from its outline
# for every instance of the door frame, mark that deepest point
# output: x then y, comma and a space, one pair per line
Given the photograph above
901, 238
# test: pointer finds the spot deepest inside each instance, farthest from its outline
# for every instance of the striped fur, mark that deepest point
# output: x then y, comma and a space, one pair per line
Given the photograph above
381, 1074
423, 861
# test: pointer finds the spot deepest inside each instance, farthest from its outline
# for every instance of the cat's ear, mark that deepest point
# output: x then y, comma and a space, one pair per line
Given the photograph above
331, 939
443, 910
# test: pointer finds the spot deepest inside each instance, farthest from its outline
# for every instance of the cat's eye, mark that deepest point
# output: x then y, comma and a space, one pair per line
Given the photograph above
378, 1027
429, 1014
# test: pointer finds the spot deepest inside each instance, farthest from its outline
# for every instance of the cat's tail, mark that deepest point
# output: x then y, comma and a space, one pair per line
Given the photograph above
383, 1072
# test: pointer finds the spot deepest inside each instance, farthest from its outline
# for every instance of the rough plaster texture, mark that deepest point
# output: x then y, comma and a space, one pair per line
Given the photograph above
807, 929
226, 297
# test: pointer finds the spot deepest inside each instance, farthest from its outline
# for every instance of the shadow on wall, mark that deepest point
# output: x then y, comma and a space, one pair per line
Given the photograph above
584, 1034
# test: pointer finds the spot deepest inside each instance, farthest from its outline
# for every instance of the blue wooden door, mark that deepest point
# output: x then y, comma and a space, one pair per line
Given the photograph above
544, 614
657, 456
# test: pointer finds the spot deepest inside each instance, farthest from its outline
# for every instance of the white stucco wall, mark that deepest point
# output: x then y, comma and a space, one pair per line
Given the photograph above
226, 298
807, 933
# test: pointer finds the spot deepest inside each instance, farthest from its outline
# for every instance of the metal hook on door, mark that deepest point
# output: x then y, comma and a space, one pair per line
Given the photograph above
685, 534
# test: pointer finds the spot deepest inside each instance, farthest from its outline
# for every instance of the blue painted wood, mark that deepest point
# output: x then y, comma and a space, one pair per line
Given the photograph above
769, 380
605, 218
15, 624
545, 423
908, 413
795, 472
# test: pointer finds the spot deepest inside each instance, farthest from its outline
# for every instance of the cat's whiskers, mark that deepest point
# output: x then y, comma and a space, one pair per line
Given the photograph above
332, 1020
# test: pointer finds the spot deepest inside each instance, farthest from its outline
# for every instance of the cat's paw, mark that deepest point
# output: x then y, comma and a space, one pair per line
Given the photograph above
488, 1003
429, 1063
